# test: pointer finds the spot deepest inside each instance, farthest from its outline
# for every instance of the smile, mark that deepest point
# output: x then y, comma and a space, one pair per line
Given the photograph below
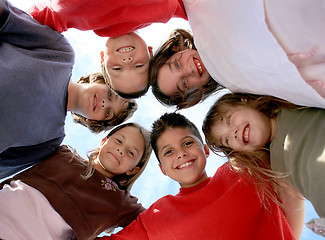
198, 66
246, 134
114, 156
95, 103
125, 49
185, 165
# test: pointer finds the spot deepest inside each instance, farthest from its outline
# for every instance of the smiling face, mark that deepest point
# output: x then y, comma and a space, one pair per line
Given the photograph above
121, 152
243, 128
98, 102
126, 60
183, 73
182, 156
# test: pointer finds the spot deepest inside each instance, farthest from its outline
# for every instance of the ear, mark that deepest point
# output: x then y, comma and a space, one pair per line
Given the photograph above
101, 57
206, 151
150, 51
162, 169
133, 171
103, 141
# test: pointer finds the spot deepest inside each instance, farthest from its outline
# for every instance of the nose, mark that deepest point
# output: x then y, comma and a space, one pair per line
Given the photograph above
126, 59
119, 150
103, 103
182, 154
236, 133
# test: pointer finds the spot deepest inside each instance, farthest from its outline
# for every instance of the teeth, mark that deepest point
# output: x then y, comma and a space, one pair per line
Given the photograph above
198, 65
125, 49
185, 165
246, 134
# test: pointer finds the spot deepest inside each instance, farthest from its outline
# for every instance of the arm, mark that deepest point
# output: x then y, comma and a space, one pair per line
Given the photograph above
293, 207
107, 17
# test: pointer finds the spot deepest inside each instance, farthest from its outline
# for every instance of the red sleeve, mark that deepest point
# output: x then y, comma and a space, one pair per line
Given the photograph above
135, 231
106, 17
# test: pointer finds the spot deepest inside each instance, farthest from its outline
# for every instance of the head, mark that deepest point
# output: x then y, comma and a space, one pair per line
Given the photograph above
115, 108
177, 75
179, 149
122, 155
125, 60
242, 122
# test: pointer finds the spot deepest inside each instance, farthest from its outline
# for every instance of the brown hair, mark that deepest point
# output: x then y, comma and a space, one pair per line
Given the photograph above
97, 126
253, 165
178, 40
124, 181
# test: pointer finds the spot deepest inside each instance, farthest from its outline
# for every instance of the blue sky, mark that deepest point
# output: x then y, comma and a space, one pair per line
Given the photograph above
152, 185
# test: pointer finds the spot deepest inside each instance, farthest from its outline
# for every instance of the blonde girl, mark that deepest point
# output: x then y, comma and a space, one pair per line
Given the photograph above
251, 128
66, 196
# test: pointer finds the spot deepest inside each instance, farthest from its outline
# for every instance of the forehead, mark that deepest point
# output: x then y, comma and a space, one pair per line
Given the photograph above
132, 134
173, 136
129, 80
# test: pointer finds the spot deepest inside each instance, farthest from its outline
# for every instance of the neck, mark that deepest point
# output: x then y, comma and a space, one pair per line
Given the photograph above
73, 92
100, 168
203, 177
273, 128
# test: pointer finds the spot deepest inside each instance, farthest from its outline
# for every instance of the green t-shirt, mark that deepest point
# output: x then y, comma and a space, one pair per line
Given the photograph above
298, 149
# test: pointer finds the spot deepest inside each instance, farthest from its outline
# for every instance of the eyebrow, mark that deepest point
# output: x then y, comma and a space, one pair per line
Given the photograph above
134, 147
167, 145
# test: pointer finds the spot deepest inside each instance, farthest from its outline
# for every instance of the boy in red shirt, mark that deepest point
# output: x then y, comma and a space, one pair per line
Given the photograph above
224, 206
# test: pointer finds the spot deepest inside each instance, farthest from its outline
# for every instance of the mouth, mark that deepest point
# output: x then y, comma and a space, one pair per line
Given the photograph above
246, 134
185, 165
125, 49
114, 156
95, 103
199, 66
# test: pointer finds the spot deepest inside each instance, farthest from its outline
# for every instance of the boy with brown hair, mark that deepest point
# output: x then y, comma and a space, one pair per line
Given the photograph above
224, 206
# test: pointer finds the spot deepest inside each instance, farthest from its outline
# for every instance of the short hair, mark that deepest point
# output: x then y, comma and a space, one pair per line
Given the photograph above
170, 121
178, 40
123, 95
97, 126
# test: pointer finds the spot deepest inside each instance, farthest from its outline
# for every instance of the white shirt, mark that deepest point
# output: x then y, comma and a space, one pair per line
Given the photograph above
239, 51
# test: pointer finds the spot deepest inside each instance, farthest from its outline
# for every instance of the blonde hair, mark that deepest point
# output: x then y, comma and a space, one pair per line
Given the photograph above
253, 165
97, 126
124, 181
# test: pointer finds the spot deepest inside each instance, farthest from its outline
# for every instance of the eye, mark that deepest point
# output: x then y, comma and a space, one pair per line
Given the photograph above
177, 65
188, 143
227, 141
138, 66
185, 83
131, 153
107, 113
168, 152
118, 140
116, 68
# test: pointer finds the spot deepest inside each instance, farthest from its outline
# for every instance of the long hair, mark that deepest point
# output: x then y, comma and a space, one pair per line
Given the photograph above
97, 126
178, 40
124, 181
255, 165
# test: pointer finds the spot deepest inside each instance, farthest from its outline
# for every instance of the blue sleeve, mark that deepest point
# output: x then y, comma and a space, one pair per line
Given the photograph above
16, 159
20, 29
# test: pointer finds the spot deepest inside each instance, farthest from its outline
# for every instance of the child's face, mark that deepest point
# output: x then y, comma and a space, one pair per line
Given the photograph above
121, 152
243, 128
182, 74
126, 61
182, 156
98, 102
